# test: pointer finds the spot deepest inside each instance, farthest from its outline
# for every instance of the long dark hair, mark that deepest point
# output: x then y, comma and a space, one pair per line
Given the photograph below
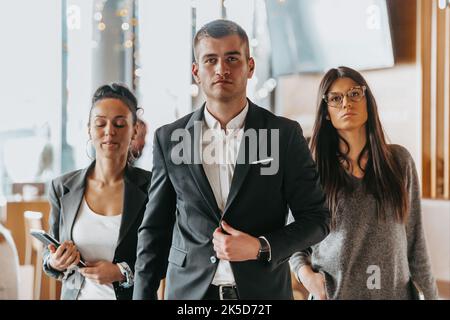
382, 174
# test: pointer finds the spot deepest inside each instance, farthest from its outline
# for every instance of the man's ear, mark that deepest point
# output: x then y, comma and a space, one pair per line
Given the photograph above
251, 67
195, 72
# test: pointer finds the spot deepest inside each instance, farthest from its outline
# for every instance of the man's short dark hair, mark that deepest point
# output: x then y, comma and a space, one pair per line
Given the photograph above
221, 28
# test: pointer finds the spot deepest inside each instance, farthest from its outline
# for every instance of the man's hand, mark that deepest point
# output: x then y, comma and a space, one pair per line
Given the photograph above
102, 272
236, 245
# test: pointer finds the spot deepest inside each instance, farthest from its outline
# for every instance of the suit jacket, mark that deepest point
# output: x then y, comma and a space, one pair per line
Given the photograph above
175, 237
65, 197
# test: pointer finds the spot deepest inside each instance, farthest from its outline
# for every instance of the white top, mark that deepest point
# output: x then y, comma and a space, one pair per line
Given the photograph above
9, 266
95, 236
219, 154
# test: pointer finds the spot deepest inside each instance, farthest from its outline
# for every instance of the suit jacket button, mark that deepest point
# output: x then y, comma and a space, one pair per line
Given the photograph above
213, 259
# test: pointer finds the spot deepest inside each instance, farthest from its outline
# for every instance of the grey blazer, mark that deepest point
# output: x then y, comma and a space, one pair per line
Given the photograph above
65, 196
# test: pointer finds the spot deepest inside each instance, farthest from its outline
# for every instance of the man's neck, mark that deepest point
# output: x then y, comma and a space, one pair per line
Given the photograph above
225, 111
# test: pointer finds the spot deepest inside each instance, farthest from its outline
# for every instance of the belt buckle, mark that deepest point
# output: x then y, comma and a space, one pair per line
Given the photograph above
221, 295
220, 292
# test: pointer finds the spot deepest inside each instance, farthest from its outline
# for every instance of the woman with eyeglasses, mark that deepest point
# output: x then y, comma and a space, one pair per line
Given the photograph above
376, 248
96, 211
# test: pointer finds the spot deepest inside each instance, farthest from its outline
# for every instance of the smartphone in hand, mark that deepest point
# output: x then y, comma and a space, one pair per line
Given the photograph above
47, 239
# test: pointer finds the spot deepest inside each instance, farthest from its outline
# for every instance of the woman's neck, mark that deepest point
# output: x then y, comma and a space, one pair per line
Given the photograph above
356, 140
109, 171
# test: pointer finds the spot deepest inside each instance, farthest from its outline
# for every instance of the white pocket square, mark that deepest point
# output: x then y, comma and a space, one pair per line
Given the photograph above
262, 161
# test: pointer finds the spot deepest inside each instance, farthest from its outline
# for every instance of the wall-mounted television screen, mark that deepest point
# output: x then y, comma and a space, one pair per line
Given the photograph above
315, 35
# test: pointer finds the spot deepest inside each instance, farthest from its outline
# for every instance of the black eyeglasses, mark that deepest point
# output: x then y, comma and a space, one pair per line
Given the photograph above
335, 99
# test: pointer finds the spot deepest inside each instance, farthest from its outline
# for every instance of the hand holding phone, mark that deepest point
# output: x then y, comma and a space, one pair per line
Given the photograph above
62, 255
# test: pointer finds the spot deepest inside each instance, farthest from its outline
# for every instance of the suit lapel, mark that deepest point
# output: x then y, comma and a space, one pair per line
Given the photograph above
195, 166
243, 166
70, 202
134, 199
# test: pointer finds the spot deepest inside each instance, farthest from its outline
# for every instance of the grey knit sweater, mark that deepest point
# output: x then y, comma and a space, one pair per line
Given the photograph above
363, 258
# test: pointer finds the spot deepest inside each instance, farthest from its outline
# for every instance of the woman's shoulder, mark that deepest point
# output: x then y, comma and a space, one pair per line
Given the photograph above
62, 179
140, 173
59, 185
402, 155
400, 151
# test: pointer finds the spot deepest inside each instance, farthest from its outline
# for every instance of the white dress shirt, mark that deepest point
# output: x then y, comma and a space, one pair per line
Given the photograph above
220, 149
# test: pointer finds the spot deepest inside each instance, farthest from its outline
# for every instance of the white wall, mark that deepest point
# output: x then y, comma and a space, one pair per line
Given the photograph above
436, 220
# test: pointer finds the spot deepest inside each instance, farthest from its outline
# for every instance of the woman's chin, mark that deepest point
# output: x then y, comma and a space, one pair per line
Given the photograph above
111, 154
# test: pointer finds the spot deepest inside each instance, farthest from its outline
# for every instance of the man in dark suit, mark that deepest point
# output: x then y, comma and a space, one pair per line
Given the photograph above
215, 224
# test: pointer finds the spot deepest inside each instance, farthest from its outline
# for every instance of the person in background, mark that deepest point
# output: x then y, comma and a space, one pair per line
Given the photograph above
138, 143
46, 156
96, 211
9, 266
376, 248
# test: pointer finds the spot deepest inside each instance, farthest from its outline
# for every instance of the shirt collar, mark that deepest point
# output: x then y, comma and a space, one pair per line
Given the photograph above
236, 123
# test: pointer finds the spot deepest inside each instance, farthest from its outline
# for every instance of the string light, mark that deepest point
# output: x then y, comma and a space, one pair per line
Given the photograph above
122, 13
270, 84
101, 26
262, 93
98, 16
138, 72
128, 44
194, 90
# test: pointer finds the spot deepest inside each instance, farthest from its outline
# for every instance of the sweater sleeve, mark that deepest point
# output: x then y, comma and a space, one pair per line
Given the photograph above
418, 258
300, 259
306, 200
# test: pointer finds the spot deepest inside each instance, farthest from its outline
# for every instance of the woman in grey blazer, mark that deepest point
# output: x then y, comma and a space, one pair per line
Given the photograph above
96, 211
